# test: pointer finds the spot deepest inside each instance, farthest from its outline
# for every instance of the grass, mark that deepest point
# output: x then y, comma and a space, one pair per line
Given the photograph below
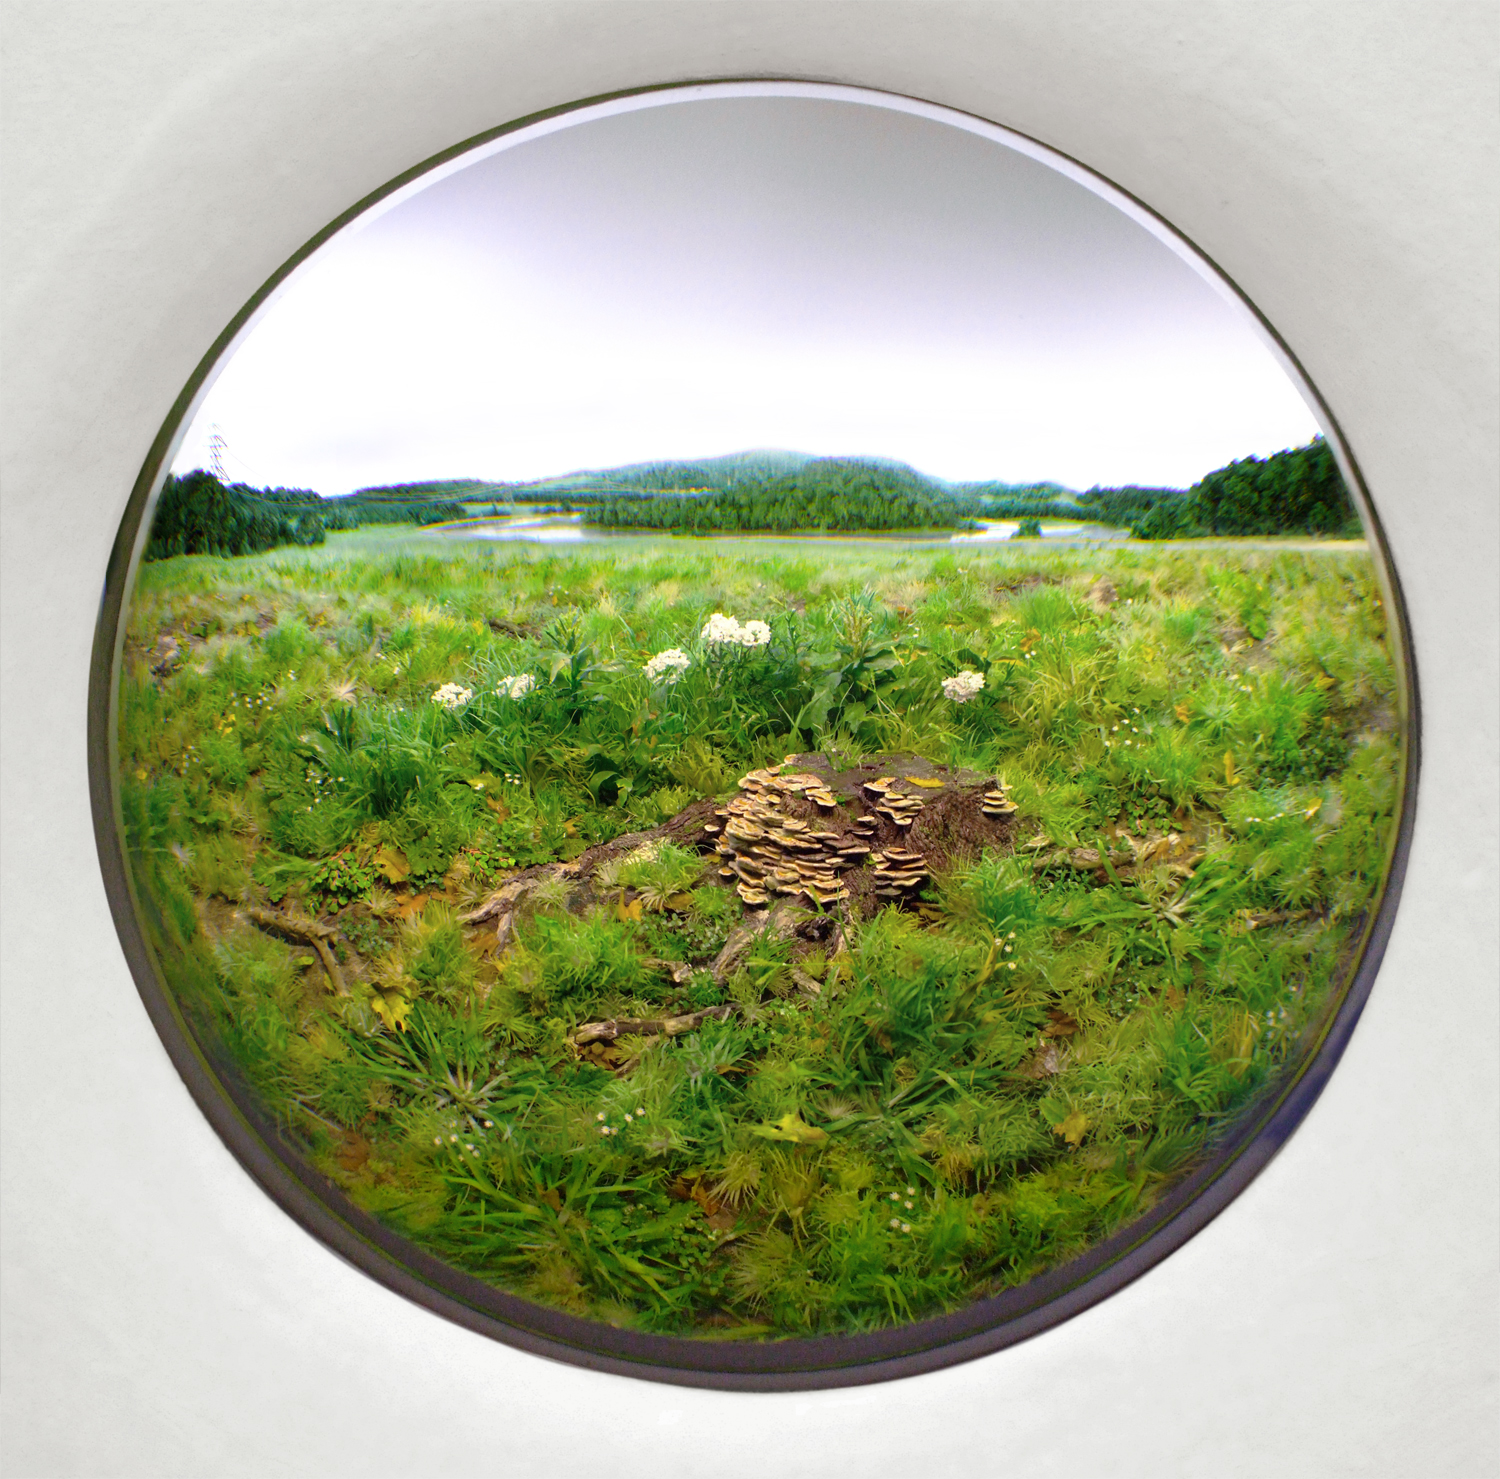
976, 1085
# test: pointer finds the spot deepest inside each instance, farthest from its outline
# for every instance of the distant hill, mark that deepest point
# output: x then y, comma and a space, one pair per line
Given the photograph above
1296, 491
439, 490
708, 474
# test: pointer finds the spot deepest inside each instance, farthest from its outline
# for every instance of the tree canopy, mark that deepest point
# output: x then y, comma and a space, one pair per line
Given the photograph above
1299, 491
199, 515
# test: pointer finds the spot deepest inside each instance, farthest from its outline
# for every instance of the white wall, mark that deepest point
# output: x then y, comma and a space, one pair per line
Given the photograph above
163, 1318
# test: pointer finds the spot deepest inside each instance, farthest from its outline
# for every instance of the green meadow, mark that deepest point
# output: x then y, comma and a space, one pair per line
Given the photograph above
430, 861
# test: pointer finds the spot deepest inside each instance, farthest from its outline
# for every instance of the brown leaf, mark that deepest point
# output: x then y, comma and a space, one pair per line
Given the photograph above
1059, 1024
1045, 1062
353, 1151
625, 912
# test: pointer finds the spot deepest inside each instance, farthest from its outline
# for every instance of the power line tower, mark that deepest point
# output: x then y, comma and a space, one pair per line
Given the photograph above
216, 449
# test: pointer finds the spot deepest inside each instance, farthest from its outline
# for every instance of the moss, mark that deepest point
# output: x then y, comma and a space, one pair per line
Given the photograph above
906, 1108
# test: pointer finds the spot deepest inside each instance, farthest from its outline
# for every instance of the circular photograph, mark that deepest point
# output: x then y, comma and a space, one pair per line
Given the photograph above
754, 734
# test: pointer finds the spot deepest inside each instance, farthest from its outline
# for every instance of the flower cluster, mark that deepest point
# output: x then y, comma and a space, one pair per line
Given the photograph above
667, 667
452, 696
516, 686
724, 631
964, 686
608, 1129
896, 1223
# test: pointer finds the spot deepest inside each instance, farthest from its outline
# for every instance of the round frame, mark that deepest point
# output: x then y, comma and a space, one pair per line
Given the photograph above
799, 1363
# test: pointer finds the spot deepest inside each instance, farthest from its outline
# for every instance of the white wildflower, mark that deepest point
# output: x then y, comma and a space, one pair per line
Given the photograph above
668, 666
726, 631
516, 686
720, 630
452, 696
964, 686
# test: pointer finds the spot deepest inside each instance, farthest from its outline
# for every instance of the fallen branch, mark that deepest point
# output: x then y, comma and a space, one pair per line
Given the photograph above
304, 932
617, 1027
1084, 859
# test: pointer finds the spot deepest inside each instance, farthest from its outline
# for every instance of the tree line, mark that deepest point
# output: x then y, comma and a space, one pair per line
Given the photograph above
197, 514
838, 493
1299, 491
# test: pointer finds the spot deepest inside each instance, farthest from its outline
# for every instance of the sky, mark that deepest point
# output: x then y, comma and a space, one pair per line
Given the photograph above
738, 273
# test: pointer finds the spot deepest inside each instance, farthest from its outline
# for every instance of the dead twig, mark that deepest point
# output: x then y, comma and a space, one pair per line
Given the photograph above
590, 1032
304, 932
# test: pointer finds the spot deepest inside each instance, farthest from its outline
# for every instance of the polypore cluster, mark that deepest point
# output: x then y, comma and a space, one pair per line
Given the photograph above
770, 851
898, 806
897, 872
996, 803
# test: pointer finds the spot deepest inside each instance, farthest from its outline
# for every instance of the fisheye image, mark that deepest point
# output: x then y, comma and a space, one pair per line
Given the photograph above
756, 718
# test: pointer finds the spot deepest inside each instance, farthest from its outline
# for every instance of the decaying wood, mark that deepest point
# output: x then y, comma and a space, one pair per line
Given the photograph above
304, 932
1085, 859
805, 983
503, 901
616, 1027
1260, 920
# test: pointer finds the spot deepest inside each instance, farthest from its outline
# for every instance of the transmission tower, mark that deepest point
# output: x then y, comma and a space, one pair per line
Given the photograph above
216, 449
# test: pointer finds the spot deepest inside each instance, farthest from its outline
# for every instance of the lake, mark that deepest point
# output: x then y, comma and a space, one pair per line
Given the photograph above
537, 528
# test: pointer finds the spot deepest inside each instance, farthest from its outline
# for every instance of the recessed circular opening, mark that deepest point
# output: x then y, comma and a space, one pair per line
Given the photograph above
754, 734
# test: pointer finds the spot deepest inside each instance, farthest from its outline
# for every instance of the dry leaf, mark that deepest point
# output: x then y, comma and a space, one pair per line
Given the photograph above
391, 864
625, 912
1060, 1024
1047, 1061
1073, 1128
789, 1127
1230, 778
353, 1151
916, 780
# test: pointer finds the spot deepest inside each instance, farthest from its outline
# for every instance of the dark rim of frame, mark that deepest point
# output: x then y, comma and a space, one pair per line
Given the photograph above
794, 1363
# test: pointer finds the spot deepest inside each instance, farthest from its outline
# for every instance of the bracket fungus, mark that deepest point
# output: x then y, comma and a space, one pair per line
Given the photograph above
770, 849
898, 871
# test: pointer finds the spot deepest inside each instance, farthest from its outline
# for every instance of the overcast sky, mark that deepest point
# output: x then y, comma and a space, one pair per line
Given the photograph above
740, 273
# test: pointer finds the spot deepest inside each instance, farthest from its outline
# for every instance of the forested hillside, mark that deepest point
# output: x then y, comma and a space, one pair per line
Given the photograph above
842, 493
